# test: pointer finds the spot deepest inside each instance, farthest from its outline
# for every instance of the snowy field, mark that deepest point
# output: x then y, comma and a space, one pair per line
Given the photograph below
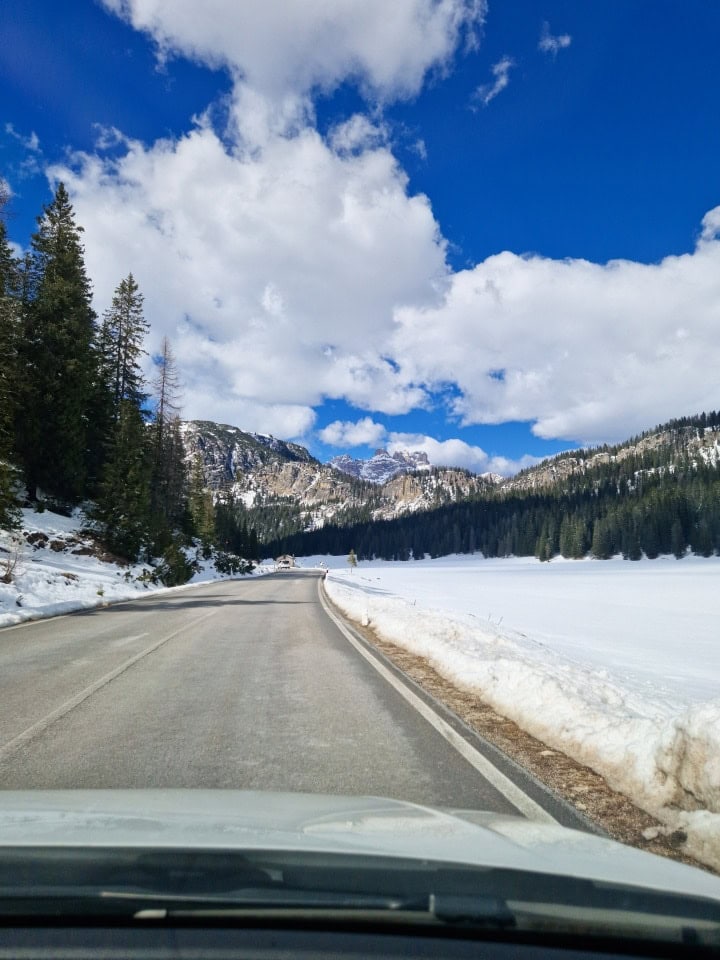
56, 575
616, 663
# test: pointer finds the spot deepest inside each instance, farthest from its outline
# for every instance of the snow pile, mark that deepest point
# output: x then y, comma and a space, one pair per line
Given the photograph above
58, 570
615, 663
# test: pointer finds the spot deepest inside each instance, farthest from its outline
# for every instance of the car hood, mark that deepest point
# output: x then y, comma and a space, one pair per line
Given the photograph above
249, 820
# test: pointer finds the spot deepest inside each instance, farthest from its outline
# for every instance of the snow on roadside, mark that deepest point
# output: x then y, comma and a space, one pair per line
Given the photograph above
57, 571
641, 709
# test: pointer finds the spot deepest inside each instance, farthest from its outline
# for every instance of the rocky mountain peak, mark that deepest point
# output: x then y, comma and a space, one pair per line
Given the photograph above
382, 466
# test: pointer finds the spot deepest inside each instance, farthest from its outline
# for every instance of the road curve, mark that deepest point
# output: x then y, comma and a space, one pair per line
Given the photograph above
237, 684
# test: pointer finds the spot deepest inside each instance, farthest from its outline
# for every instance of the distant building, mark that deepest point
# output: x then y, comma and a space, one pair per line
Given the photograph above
285, 562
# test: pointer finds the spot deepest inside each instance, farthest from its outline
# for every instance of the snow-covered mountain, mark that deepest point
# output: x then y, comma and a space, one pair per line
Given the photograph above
270, 474
382, 466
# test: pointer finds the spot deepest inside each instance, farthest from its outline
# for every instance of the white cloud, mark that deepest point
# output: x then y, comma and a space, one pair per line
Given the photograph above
553, 44
458, 453
501, 72
420, 148
284, 47
107, 137
31, 163
590, 352
360, 433
711, 225
357, 134
274, 268
30, 142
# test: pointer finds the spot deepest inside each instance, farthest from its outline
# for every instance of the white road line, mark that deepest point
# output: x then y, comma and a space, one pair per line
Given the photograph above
520, 800
37, 728
123, 641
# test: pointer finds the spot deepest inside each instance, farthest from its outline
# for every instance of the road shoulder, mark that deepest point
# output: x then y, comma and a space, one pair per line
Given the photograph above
579, 786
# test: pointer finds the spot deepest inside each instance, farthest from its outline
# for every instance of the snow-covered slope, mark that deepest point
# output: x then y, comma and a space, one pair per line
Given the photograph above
53, 568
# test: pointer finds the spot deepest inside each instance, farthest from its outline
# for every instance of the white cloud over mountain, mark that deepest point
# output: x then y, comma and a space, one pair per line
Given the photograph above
288, 267
442, 453
457, 453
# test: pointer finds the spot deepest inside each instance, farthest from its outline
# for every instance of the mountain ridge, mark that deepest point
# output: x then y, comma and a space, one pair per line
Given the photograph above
286, 491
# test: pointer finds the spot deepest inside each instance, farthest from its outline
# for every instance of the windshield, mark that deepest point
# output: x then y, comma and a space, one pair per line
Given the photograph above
359, 434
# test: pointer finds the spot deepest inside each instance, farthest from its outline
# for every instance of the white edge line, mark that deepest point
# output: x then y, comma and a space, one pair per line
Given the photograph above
37, 728
520, 800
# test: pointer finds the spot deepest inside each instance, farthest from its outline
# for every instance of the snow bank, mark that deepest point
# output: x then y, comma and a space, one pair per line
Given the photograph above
57, 572
583, 655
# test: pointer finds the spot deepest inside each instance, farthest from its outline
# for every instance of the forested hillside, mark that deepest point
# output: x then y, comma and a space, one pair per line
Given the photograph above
657, 494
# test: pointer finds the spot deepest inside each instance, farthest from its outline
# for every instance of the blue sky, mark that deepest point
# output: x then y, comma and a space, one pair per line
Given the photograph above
486, 231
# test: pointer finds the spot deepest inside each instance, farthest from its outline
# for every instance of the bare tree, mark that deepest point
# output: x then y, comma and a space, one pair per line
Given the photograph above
10, 565
167, 386
169, 481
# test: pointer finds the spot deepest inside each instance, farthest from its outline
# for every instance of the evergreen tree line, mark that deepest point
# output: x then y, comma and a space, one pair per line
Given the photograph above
610, 511
75, 425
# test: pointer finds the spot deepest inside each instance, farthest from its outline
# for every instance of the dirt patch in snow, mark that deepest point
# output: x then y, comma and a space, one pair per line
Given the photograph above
582, 787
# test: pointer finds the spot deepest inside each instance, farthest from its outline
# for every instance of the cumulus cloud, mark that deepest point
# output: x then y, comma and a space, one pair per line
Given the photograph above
710, 228
553, 44
275, 270
589, 352
501, 72
358, 433
457, 453
357, 134
283, 47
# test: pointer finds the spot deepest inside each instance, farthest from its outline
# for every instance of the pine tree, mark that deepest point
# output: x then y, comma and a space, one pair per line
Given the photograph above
678, 543
9, 376
58, 357
602, 540
202, 510
120, 345
123, 509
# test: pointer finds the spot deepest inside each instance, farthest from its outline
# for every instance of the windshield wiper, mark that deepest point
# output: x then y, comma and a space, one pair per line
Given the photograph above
446, 909
471, 910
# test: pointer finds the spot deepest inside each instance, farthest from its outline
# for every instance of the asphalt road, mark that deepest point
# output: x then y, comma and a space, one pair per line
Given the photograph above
239, 684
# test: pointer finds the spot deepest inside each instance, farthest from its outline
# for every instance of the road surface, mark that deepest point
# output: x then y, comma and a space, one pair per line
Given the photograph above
237, 684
